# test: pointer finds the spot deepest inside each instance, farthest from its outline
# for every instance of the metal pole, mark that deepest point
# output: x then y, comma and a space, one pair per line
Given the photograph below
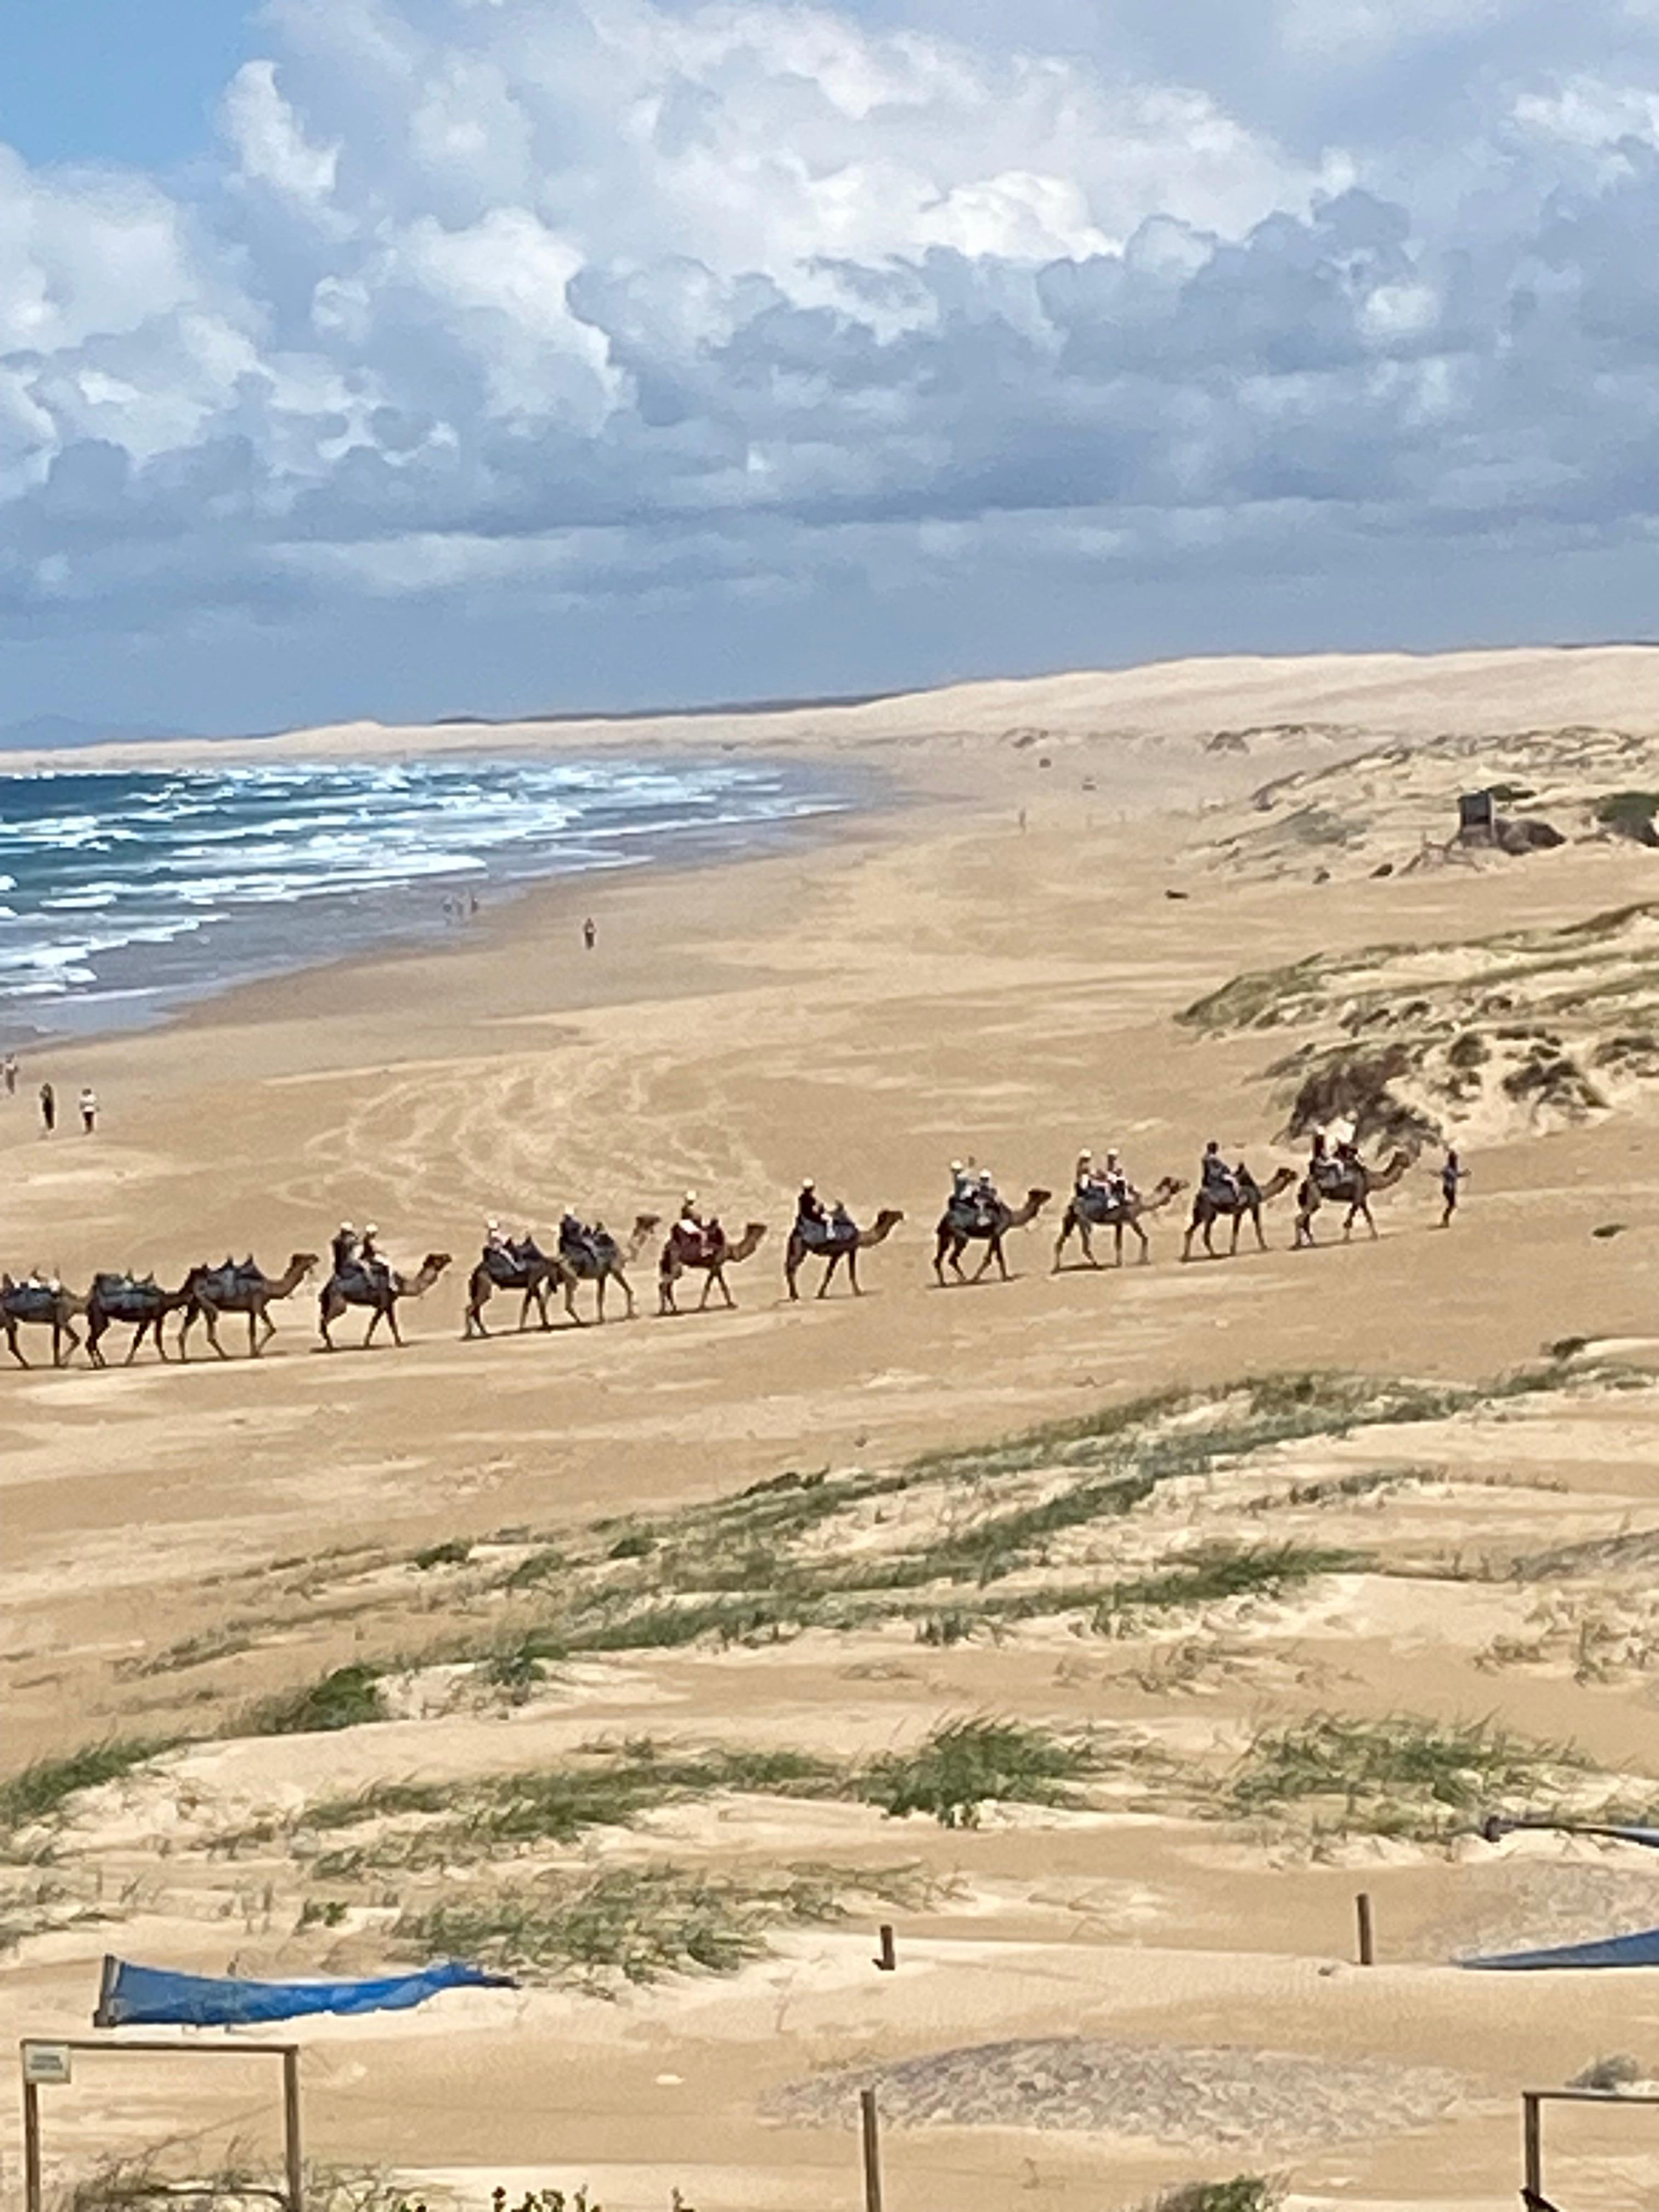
297, 2178
1367, 1935
1532, 2125
871, 2151
31, 2148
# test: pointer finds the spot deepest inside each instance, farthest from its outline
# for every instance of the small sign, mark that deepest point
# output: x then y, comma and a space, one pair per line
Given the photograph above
46, 2063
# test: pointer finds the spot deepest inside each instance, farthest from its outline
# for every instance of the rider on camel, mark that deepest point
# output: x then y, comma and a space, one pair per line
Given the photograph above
809, 1216
843, 1230
1118, 1189
1215, 1176
984, 1196
1086, 1183
576, 1236
369, 1257
344, 1249
962, 1184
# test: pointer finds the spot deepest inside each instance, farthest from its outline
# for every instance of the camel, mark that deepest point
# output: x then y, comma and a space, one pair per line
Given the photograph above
961, 1226
1098, 1211
524, 1268
602, 1261
1354, 1186
247, 1289
835, 1249
1211, 1206
142, 1303
48, 1306
714, 1253
380, 1291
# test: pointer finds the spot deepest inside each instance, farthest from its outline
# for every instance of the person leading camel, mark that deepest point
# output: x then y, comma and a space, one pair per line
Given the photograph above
1451, 1174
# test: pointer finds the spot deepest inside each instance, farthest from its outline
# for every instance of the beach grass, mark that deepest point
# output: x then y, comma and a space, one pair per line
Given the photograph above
41, 1789
640, 1923
1403, 1775
965, 1764
348, 1696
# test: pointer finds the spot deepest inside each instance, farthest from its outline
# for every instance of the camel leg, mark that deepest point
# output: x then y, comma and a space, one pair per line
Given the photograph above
325, 1313
852, 1272
212, 1320
830, 1274
269, 1328
94, 1350
1255, 1224
1145, 1243
132, 1349
12, 1345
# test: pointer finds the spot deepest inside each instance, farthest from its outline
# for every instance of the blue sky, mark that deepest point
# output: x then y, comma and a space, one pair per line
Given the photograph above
417, 356
126, 80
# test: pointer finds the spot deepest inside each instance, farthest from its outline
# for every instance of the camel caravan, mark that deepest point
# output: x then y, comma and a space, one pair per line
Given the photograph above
976, 1216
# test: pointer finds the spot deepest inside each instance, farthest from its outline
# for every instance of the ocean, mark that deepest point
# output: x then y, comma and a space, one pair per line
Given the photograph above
123, 893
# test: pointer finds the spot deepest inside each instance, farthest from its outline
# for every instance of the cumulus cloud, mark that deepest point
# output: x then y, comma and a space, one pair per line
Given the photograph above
619, 300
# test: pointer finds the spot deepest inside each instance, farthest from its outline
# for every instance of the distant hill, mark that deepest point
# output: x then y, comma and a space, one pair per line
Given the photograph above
48, 732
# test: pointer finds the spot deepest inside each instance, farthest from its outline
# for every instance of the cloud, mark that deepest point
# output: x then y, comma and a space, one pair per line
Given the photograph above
481, 297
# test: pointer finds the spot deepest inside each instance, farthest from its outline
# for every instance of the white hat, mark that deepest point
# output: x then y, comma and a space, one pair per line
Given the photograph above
690, 1198
809, 1184
372, 1229
1086, 1154
956, 1167
492, 1222
346, 1230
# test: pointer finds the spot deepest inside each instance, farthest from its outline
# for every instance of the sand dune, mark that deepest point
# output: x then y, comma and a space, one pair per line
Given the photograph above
1290, 1639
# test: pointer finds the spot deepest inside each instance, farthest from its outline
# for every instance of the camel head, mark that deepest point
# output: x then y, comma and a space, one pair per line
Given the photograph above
747, 1242
300, 1264
1276, 1183
1385, 1177
431, 1267
646, 1226
883, 1225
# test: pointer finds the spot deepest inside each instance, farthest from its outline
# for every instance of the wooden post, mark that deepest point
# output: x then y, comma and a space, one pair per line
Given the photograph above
887, 1961
1367, 1933
104, 2015
31, 2148
871, 2151
296, 2177
1532, 2132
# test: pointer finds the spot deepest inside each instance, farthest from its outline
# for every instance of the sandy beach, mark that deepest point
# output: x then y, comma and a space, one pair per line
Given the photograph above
995, 964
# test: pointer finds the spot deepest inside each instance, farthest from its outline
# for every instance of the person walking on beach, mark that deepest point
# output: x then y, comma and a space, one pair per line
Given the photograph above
1451, 1174
48, 1109
9, 1074
590, 933
88, 1102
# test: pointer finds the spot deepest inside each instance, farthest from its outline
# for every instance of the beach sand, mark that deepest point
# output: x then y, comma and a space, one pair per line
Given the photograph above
928, 980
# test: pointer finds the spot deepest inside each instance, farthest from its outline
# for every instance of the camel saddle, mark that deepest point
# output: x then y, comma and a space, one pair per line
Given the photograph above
224, 1282
825, 1235
30, 1302
366, 1281
698, 1248
507, 1264
1328, 1175
974, 1218
1096, 1205
128, 1296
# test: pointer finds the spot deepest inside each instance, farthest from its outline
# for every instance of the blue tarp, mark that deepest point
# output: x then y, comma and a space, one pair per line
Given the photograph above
1640, 1950
153, 1996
